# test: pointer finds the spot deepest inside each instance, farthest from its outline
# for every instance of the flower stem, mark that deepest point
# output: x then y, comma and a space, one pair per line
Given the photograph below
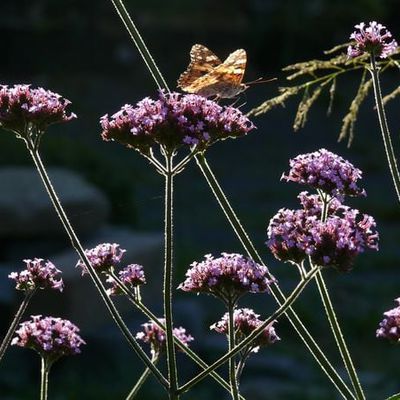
332, 318
339, 338
387, 141
168, 275
183, 347
7, 339
44, 378
309, 341
140, 45
236, 349
231, 345
81, 253
142, 379
278, 295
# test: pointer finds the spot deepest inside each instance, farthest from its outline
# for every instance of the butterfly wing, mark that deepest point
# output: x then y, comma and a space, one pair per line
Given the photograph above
224, 80
202, 61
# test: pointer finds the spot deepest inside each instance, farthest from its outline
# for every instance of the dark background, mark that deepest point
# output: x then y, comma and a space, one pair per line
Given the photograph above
80, 50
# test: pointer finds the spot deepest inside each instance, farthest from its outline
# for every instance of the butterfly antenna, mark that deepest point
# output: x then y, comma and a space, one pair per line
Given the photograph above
260, 80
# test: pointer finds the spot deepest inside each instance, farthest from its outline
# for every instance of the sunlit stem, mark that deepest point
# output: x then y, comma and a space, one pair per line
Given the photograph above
142, 379
153, 160
231, 346
293, 318
168, 276
182, 346
387, 141
44, 377
276, 292
332, 318
249, 339
180, 166
240, 366
17, 318
140, 45
33, 151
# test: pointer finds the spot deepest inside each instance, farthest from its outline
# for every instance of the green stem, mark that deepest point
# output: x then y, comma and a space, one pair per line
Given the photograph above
276, 292
309, 341
44, 378
231, 345
142, 379
21, 310
332, 318
140, 45
249, 339
387, 141
339, 338
168, 275
183, 347
93, 275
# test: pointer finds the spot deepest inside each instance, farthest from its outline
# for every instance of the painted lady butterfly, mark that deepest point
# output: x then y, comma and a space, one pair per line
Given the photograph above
207, 76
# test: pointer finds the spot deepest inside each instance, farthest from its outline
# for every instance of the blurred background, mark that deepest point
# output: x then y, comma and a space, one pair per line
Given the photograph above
81, 50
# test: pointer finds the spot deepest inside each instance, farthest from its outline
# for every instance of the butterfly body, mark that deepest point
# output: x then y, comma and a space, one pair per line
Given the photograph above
208, 76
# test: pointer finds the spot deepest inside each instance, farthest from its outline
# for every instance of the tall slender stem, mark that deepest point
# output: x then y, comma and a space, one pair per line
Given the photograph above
276, 292
387, 141
249, 339
168, 276
338, 335
232, 361
142, 379
81, 253
44, 378
293, 318
183, 347
332, 318
21, 310
140, 45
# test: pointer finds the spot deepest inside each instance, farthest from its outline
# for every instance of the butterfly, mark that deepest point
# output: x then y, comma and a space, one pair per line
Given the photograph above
208, 76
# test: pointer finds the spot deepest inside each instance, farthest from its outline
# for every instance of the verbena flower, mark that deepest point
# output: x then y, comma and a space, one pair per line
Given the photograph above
226, 277
132, 276
312, 204
156, 337
294, 235
51, 337
174, 120
389, 328
23, 107
246, 321
39, 274
102, 257
374, 39
325, 171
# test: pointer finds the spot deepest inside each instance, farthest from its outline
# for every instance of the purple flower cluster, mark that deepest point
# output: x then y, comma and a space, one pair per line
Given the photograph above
39, 274
294, 235
155, 336
246, 321
22, 106
226, 277
132, 276
325, 171
50, 337
103, 257
374, 39
389, 328
174, 120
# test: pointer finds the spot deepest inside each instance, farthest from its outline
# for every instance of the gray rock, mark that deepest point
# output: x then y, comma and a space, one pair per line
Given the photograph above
26, 211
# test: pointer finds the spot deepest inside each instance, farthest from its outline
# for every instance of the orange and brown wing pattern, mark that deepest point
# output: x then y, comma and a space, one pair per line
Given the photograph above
202, 61
209, 78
